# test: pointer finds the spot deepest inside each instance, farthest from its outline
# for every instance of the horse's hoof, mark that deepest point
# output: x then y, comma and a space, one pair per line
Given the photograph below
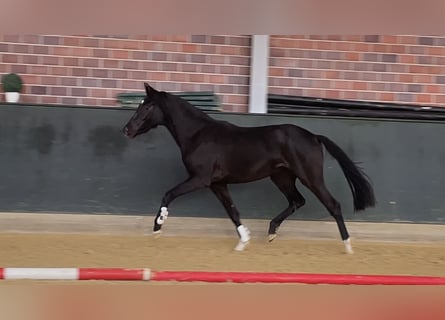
157, 234
241, 245
271, 237
348, 246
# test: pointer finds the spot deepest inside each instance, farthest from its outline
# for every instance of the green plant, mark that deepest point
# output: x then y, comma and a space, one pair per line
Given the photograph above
12, 82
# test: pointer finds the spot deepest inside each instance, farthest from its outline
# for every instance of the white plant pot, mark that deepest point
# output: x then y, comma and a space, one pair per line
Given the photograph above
12, 96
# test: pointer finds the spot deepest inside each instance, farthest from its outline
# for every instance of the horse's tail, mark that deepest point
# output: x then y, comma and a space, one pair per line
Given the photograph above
358, 181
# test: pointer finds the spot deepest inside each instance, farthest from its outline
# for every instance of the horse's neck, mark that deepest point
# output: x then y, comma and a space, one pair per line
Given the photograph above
184, 121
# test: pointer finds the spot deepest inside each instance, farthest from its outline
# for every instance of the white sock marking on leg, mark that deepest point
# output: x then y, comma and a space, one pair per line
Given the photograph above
162, 215
244, 233
348, 245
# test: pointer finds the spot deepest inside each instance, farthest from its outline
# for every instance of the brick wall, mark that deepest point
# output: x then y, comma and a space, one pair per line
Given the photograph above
406, 69
81, 70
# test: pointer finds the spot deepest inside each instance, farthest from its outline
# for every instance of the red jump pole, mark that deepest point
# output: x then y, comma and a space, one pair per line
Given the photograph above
120, 274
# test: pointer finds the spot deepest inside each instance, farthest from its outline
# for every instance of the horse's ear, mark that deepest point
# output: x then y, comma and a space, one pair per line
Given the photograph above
149, 90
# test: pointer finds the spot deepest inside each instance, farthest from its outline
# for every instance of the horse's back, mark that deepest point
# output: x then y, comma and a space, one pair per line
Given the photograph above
241, 154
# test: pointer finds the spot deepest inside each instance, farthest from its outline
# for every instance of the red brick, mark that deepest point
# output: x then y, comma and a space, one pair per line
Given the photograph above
119, 74
9, 58
386, 96
423, 78
31, 38
397, 49
386, 77
331, 74
332, 94
159, 76
60, 71
350, 95
49, 60
111, 63
177, 76
440, 98
189, 47
69, 101
79, 72
418, 69
61, 51
32, 79
58, 91
217, 59
80, 52
197, 77
209, 68
357, 85
119, 54
90, 82
407, 39
71, 41
139, 75
149, 45
276, 72
49, 100
237, 99
131, 65
341, 84
423, 98
216, 78
408, 59
100, 53
112, 44
130, 44
394, 68
68, 81
436, 51
99, 73
111, 83
99, 93
432, 88
90, 42
342, 46
363, 47
39, 70
229, 50
70, 61
352, 56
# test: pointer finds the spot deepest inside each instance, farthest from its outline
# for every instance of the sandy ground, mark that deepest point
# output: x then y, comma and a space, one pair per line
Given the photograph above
216, 254
166, 300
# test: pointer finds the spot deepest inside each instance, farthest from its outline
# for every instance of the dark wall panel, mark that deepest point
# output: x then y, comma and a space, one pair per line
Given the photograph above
74, 159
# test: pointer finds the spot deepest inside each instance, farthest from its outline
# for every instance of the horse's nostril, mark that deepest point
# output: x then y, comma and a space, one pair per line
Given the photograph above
125, 130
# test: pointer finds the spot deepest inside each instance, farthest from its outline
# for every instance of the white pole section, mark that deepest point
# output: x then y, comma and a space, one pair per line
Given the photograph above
259, 66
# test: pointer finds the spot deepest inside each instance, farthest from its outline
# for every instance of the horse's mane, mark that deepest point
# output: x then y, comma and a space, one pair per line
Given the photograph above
183, 106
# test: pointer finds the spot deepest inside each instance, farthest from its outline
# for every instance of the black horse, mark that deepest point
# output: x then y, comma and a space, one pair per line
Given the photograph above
217, 153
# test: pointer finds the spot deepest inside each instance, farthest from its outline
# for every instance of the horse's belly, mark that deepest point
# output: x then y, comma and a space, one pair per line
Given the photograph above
248, 170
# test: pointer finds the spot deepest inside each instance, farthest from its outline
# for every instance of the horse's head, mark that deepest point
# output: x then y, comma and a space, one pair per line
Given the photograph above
148, 115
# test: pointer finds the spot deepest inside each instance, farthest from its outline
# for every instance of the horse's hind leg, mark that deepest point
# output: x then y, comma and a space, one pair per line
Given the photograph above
315, 182
285, 181
221, 192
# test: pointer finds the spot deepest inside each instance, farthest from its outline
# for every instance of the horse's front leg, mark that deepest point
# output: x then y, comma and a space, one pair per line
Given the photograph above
189, 185
222, 193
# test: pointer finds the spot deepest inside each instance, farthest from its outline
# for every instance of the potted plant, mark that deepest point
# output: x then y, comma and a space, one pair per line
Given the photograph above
12, 86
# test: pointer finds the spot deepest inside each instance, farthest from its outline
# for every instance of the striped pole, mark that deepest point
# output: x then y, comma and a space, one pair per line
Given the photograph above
119, 274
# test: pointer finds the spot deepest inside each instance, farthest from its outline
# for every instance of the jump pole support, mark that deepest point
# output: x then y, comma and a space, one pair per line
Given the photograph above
144, 274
